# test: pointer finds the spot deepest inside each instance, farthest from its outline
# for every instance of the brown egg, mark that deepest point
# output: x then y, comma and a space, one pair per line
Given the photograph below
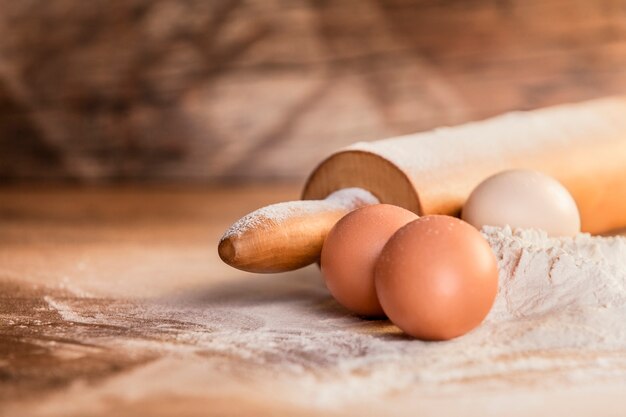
436, 278
350, 252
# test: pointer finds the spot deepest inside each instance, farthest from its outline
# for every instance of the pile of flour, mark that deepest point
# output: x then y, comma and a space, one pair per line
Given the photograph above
541, 275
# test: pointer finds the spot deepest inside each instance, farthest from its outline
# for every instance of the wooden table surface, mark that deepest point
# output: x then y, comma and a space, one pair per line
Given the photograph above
113, 302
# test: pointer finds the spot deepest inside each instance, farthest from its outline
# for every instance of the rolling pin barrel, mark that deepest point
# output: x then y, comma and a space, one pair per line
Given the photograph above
581, 145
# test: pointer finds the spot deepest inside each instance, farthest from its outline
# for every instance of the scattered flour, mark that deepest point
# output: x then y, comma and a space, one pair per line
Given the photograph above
64, 310
558, 320
559, 314
345, 199
441, 150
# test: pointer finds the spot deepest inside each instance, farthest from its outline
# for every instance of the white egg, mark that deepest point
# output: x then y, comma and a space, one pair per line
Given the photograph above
523, 199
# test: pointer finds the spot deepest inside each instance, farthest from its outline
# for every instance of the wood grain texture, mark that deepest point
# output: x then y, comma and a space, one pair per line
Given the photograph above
114, 302
192, 90
287, 235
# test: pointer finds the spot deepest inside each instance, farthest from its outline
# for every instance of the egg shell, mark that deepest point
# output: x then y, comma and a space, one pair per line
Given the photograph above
436, 278
523, 199
350, 251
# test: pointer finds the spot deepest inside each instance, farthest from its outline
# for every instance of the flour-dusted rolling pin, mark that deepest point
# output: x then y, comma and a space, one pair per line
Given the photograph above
582, 145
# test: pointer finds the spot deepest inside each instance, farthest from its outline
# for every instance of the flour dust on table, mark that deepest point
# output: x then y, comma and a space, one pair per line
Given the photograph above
558, 321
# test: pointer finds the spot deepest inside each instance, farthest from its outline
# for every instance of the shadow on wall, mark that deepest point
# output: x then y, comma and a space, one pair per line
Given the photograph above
192, 90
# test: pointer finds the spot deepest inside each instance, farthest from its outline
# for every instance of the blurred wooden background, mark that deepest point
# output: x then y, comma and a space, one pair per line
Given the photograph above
197, 90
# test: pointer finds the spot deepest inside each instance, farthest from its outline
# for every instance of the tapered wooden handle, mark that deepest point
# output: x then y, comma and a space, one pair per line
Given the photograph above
287, 236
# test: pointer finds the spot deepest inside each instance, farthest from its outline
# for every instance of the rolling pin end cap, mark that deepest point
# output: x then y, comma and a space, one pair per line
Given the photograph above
227, 251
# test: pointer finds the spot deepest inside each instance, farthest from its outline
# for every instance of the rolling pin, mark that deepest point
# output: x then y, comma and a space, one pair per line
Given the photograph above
582, 145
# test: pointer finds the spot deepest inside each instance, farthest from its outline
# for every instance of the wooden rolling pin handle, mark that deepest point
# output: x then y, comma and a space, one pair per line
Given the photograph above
287, 236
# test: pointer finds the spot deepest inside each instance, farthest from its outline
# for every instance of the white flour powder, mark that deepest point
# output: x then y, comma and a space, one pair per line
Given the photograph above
559, 319
540, 275
559, 313
270, 216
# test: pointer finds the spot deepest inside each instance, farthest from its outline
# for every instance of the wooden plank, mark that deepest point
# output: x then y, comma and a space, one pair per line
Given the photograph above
232, 90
